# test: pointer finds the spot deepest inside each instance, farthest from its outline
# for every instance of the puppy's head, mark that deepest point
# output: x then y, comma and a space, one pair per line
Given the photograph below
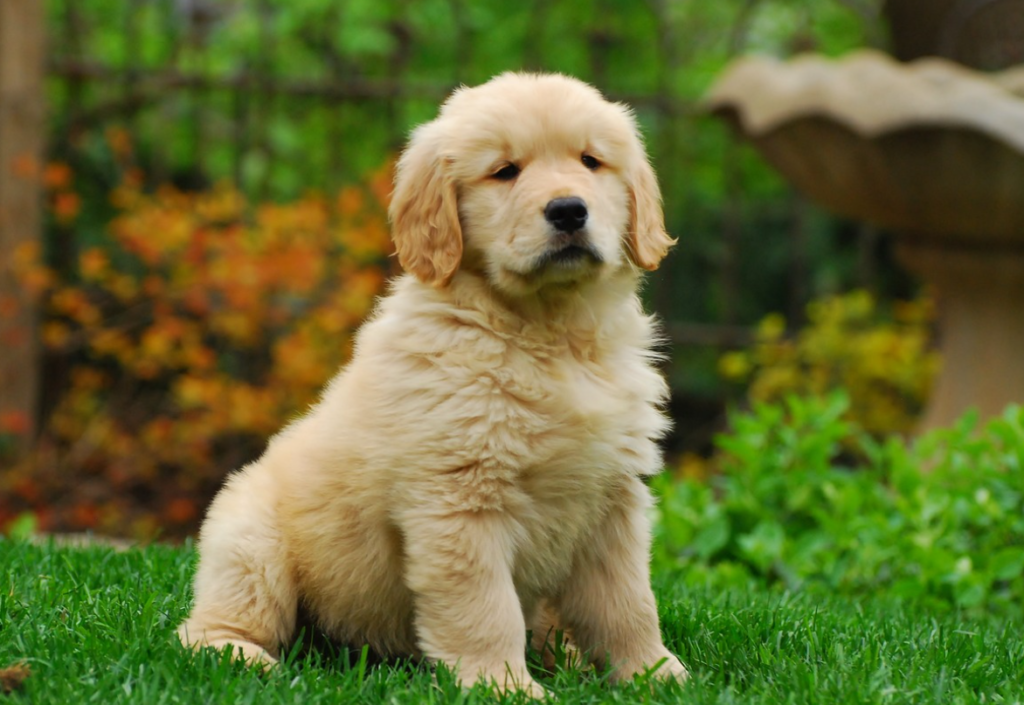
535, 181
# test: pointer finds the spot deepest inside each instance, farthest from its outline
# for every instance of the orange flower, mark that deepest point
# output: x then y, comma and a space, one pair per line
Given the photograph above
115, 345
199, 358
192, 391
57, 175
93, 263
66, 206
69, 301
224, 204
350, 201
368, 239
56, 335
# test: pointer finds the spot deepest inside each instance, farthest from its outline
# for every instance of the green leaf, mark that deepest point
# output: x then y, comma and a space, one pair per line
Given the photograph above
763, 546
713, 534
1007, 563
23, 527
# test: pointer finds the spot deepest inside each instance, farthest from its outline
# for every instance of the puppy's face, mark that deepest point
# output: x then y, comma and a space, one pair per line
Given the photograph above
535, 181
540, 184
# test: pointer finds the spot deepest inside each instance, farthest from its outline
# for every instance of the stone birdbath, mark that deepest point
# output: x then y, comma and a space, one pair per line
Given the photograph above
931, 151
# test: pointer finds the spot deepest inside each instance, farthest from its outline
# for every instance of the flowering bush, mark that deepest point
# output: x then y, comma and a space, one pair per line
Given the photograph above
884, 363
198, 327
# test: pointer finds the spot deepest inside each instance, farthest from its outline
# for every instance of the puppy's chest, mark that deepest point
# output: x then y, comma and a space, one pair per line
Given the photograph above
555, 414
555, 438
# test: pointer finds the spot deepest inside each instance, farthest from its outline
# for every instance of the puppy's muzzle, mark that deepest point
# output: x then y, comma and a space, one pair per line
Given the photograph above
570, 245
567, 214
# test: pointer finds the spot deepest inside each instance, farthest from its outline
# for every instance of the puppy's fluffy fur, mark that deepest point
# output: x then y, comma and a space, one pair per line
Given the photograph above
476, 470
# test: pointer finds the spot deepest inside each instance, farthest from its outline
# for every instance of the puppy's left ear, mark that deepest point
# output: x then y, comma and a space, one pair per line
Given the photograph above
648, 241
424, 211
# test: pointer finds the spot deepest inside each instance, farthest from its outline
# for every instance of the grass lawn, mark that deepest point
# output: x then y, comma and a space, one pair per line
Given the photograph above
96, 626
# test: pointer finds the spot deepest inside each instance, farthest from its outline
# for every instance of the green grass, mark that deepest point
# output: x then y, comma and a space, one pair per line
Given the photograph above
96, 626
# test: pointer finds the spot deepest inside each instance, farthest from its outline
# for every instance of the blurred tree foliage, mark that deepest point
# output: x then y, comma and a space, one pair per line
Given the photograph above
284, 97
281, 97
390, 61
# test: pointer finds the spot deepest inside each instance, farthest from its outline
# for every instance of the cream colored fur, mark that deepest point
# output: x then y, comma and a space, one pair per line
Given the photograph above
476, 470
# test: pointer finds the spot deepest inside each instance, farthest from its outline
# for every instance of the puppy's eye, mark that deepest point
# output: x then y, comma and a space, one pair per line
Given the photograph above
506, 173
590, 162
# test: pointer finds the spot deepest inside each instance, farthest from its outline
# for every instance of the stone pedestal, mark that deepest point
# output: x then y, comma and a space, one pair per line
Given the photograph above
980, 296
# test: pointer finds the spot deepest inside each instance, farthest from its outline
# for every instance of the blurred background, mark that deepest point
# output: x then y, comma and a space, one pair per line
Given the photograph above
194, 194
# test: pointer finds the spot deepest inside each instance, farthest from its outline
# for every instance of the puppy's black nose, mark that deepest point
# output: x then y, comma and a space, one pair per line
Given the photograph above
567, 214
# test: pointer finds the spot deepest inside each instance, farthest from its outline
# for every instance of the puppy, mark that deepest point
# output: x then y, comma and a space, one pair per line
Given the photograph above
476, 470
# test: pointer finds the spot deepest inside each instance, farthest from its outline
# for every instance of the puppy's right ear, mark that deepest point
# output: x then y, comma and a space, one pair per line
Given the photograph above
424, 211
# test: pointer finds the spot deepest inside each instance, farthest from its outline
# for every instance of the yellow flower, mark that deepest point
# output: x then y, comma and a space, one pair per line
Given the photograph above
56, 335
93, 263
771, 327
734, 365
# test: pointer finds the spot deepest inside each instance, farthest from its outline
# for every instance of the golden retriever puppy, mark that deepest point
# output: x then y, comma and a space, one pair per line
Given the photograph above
476, 470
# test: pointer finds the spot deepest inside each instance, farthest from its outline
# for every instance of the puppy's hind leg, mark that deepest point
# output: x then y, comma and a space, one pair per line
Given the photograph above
245, 595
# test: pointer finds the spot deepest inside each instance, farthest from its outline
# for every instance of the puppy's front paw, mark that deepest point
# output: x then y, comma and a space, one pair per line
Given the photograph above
532, 688
503, 679
662, 666
671, 667
253, 654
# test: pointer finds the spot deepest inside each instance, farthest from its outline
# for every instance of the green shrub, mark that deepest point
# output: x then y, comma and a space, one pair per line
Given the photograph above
940, 520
